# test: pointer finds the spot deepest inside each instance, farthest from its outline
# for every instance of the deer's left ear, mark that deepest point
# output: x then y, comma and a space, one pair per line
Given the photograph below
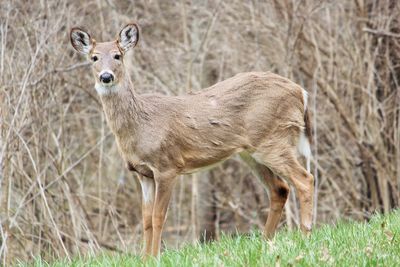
128, 37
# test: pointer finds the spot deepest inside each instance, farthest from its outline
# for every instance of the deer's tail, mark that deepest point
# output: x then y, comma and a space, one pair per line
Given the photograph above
305, 140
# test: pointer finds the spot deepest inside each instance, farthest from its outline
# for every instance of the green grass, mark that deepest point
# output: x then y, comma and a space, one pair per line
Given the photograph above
376, 243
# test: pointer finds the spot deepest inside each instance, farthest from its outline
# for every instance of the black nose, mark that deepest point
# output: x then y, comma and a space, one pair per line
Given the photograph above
106, 77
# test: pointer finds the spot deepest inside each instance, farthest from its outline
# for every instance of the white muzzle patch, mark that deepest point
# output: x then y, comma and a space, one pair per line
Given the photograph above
105, 88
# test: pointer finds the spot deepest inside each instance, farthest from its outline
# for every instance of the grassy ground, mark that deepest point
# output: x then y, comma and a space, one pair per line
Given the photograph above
376, 243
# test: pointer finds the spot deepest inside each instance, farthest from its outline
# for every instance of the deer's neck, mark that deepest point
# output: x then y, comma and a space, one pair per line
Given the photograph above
122, 106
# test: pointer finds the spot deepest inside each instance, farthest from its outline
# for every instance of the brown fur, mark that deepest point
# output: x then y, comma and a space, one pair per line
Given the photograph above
257, 114
308, 129
194, 131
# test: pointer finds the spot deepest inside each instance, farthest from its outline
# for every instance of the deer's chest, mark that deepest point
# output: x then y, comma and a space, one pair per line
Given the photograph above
136, 162
142, 169
136, 158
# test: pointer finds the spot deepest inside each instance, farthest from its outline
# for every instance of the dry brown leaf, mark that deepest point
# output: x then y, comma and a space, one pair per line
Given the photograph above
368, 250
389, 234
271, 246
299, 257
325, 254
278, 261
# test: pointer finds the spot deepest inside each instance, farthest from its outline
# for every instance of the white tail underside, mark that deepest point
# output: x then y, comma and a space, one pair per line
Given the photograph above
303, 146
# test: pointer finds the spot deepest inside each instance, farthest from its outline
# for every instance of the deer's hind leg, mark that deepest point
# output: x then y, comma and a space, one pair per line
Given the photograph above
282, 160
278, 192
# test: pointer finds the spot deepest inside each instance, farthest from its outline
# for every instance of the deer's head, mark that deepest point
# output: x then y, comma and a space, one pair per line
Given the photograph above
107, 58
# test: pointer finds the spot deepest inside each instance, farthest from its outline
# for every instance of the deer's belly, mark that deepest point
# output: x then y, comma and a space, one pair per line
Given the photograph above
206, 162
204, 168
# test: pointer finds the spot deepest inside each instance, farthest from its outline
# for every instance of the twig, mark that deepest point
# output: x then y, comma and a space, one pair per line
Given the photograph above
104, 245
381, 33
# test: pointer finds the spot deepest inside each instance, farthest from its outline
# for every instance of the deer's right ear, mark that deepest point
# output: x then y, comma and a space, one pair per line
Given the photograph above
81, 41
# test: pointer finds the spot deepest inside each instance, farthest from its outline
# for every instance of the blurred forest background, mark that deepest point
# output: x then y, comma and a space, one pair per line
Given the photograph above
64, 189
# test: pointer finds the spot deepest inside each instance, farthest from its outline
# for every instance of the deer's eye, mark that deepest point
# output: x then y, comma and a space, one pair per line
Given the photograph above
117, 57
95, 58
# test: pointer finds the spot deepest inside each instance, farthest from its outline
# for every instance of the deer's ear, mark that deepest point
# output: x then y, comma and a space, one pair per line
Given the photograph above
128, 36
81, 41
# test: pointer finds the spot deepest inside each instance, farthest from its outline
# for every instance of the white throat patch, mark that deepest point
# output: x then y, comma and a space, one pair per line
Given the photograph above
106, 89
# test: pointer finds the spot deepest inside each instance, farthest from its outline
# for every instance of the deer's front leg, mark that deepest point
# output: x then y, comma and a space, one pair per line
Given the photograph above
148, 192
164, 187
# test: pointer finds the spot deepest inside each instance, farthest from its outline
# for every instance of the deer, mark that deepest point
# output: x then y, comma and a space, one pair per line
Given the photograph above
260, 117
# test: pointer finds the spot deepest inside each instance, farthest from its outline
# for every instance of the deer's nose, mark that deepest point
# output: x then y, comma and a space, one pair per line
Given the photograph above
106, 77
